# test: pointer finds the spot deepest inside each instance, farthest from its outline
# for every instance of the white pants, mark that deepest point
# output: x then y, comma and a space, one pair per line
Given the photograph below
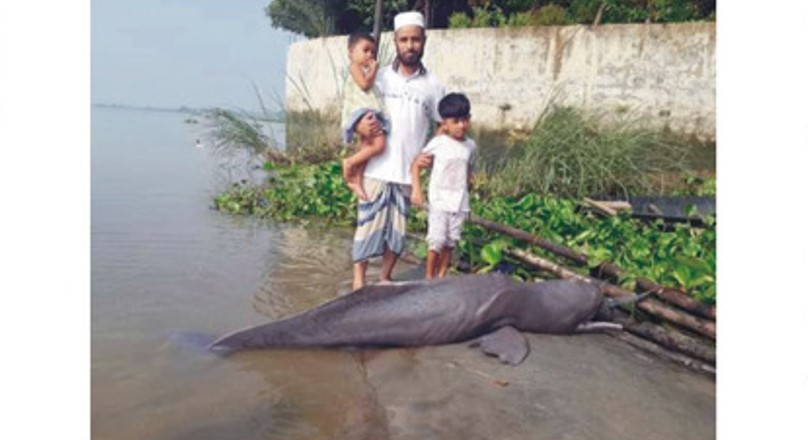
444, 228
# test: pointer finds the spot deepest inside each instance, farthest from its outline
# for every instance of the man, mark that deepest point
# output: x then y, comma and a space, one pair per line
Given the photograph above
410, 94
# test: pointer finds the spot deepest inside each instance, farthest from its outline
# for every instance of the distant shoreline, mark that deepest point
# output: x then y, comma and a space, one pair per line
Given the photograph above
277, 117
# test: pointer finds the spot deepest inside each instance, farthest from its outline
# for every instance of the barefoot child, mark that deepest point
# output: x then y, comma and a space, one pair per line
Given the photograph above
361, 101
448, 184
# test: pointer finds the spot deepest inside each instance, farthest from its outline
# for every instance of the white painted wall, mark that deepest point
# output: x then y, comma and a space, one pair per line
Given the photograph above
664, 73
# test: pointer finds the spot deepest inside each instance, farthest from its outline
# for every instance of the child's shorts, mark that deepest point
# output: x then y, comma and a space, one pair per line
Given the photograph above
444, 228
356, 115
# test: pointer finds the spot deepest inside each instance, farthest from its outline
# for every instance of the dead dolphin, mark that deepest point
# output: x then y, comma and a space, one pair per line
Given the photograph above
488, 309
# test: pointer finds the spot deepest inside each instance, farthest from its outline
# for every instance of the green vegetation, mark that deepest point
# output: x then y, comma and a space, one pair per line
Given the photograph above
574, 154
679, 256
236, 131
682, 256
491, 15
533, 186
294, 192
320, 18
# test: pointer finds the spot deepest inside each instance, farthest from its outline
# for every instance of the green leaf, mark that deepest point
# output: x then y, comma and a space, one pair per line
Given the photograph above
598, 256
491, 253
627, 280
421, 250
485, 269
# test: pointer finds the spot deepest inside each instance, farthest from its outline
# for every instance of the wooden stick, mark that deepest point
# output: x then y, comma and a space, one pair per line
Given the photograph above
617, 205
650, 306
670, 295
600, 207
529, 238
667, 337
596, 22
653, 209
667, 294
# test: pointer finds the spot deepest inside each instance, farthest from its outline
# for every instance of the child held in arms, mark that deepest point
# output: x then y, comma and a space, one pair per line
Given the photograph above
361, 101
452, 152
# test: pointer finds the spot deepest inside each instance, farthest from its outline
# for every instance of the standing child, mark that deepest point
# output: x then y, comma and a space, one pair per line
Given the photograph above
448, 184
361, 101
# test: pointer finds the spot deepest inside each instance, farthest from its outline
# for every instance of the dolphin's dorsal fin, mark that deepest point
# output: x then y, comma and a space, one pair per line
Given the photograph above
506, 343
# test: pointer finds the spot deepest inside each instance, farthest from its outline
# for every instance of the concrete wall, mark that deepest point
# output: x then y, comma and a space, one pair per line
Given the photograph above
664, 73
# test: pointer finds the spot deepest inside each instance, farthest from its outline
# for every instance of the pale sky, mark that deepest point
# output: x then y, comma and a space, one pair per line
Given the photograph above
197, 53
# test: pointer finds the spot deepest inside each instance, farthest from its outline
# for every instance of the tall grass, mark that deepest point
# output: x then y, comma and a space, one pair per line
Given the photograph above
572, 153
235, 131
314, 135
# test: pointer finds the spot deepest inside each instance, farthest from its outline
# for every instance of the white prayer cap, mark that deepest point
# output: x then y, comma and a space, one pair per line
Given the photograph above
412, 18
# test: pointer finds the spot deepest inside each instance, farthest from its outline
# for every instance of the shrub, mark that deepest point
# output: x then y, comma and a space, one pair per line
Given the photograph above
573, 154
520, 19
673, 11
550, 15
584, 11
488, 16
459, 20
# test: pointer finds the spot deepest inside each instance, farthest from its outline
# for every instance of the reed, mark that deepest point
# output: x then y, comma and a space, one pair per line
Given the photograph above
573, 153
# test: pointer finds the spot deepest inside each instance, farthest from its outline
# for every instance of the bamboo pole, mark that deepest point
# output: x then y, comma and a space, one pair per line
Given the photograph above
600, 207
650, 306
668, 338
532, 239
669, 295
617, 205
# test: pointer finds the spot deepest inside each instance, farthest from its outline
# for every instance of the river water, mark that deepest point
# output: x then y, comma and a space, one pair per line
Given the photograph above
164, 262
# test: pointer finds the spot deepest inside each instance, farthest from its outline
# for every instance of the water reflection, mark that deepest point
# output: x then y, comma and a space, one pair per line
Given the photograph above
311, 265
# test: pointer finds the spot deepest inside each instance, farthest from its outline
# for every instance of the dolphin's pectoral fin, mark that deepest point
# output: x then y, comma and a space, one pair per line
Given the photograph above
506, 343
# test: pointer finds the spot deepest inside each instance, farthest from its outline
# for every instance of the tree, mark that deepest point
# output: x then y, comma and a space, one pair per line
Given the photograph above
319, 18
364, 10
377, 20
312, 18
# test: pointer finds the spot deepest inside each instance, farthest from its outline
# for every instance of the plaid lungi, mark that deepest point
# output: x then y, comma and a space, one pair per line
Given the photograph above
382, 220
